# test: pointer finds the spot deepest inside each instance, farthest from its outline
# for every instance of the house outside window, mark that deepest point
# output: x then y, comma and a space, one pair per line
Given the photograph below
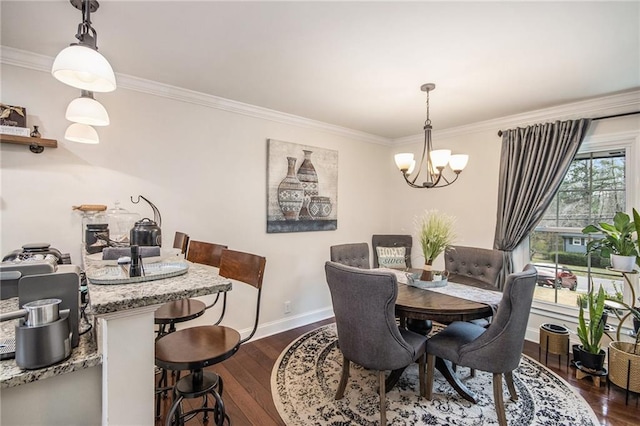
593, 190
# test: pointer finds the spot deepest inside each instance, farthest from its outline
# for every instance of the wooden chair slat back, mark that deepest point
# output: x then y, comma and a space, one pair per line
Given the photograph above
245, 267
181, 241
205, 253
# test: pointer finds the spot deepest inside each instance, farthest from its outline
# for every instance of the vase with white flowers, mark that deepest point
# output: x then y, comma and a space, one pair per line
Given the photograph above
435, 232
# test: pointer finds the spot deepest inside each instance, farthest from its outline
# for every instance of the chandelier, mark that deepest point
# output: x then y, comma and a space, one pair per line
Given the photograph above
436, 160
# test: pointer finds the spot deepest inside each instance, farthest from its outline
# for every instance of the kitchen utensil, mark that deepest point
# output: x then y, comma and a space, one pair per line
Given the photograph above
43, 345
36, 313
146, 232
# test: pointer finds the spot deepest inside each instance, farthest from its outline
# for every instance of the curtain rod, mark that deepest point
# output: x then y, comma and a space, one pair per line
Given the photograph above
624, 114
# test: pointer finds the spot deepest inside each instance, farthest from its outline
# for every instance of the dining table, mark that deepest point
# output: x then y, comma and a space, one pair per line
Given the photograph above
465, 300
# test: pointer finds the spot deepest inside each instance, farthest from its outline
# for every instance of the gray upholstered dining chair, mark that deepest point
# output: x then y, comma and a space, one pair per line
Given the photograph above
353, 254
364, 304
473, 265
394, 241
496, 349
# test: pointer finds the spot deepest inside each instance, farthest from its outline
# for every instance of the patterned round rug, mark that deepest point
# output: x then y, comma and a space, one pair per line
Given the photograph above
305, 378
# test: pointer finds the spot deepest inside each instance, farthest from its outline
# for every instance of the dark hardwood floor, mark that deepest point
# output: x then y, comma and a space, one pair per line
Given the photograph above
247, 389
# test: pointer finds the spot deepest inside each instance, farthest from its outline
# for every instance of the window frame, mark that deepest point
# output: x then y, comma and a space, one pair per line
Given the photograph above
627, 141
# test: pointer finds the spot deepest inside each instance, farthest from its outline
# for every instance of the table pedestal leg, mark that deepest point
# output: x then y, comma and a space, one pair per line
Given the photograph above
446, 369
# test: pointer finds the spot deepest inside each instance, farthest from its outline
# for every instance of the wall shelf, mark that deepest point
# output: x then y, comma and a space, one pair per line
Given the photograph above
36, 145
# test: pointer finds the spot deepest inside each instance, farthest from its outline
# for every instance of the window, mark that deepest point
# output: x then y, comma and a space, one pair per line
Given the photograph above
593, 190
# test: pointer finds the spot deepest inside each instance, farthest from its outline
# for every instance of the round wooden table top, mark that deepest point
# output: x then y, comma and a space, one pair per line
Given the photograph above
417, 303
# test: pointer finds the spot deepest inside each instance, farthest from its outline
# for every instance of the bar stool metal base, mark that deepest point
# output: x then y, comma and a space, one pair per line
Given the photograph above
198, 384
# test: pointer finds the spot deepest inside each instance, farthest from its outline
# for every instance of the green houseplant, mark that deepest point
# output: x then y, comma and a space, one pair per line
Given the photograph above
618, 241
435, 232
590, 334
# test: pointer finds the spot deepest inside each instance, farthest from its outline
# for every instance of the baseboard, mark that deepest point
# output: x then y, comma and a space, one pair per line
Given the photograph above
284, 324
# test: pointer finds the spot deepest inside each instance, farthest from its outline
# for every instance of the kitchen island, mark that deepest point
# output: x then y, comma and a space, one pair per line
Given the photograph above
124, 344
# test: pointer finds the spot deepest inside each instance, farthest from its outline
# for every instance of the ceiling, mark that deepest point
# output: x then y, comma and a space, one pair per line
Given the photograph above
359, 65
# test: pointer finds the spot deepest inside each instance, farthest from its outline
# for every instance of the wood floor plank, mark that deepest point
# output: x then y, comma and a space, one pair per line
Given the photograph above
248, 399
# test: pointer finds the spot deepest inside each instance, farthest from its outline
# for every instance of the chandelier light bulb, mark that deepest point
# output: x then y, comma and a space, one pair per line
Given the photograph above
440, 158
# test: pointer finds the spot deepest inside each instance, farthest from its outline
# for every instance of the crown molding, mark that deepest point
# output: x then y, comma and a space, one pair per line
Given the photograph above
37, 62
605, 105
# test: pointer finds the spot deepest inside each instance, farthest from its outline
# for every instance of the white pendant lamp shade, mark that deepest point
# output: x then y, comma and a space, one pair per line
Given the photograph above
84, 68
81, 133
87, 110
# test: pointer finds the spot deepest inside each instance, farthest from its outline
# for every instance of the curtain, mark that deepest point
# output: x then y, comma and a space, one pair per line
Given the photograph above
533, 162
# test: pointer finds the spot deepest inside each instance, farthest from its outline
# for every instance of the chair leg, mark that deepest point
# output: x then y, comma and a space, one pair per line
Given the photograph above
343, 378
422, 375
497, 397
383, 399
508, 377
431, 363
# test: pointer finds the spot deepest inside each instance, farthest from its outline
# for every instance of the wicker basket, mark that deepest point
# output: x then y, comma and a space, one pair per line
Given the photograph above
623, 363
554, 339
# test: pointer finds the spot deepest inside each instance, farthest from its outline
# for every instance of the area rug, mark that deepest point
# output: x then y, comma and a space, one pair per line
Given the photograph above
306, 375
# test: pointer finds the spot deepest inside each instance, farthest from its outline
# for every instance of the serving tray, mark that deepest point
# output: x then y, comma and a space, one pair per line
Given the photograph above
427, 284
114, 274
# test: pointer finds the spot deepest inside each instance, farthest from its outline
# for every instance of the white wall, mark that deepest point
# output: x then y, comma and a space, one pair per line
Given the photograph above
204, 168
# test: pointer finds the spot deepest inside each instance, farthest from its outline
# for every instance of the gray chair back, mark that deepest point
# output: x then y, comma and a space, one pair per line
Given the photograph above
405, 241
364, 305
498, 349
472, 265
354, 254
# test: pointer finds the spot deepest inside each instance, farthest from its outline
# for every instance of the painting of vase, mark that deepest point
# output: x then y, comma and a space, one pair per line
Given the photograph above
309, 179
291, 192
305, 199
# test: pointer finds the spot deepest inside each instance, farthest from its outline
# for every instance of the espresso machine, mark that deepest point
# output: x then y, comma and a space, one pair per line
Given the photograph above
42, 286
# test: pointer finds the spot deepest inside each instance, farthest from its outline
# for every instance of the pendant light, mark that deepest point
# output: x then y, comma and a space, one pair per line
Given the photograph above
436, 160
87, 110
80, 65
82, 133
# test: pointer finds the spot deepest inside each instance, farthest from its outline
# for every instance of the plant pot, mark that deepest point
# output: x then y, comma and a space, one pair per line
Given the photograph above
623, 263
624, 366
591, 361
575, 349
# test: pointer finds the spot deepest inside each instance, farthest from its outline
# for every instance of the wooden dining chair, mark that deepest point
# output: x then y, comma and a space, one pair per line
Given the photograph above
363, 304
495, 349
195, 348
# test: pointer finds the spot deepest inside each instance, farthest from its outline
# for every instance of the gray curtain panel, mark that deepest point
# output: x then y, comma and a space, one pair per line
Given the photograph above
533, 163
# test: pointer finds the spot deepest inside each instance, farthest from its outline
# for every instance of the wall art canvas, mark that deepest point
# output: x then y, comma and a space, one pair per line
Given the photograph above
302, 188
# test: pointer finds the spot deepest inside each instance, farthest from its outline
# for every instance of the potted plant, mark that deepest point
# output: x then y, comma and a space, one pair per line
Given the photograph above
435, 232
617, 242
591, 354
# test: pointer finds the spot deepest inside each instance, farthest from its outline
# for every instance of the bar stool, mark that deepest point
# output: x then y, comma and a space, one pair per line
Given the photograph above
178, 311
198, 347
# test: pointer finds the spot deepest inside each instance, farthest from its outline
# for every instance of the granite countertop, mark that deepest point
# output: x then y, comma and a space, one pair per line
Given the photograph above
85, 355
199, 280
